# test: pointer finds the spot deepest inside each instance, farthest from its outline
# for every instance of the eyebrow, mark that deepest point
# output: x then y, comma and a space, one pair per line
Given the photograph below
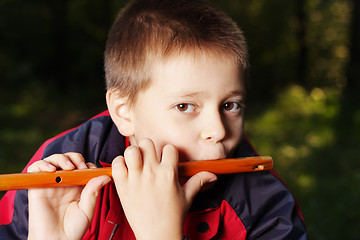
198, 93
192, 94
242, 93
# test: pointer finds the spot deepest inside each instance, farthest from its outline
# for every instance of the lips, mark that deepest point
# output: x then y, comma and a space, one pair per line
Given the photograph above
217, 151
212, 157
208, 154
202, 152
183, 157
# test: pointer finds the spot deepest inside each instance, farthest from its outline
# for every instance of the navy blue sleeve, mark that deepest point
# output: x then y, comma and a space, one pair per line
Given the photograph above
18, 227
271, 212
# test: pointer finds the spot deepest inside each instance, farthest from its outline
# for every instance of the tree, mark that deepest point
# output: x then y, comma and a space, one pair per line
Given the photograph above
354, 49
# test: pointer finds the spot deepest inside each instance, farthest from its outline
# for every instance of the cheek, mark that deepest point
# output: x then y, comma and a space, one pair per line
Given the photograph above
161, 132
174, 138
178, 136
236, 129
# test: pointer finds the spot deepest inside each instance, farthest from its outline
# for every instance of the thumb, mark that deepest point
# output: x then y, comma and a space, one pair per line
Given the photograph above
196, 183
89, 195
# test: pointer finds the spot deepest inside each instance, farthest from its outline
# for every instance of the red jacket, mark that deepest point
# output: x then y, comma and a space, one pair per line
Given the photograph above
240, 206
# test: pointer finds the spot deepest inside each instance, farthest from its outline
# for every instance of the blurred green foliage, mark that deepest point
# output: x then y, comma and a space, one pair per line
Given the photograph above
301, 109
316, 152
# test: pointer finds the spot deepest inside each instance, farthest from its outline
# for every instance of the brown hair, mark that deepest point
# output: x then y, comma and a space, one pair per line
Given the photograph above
148, 31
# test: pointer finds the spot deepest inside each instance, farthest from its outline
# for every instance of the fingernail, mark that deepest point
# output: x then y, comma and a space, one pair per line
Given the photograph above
83, 165
212, 180
51, 166
69, 164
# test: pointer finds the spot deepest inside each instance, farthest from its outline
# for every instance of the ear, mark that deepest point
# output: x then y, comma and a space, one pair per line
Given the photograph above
120, 112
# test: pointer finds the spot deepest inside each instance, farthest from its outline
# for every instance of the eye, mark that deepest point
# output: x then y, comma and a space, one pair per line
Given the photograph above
185, 107
233, 106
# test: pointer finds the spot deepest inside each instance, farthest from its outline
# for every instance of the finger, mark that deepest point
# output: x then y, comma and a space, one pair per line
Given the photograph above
60, 161
170, 157
90, 165
148, 152
195, 183
119, 169
41, 166
89, 195
76, 159
133, 160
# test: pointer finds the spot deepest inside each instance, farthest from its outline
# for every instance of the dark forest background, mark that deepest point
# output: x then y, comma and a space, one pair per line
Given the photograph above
303, 105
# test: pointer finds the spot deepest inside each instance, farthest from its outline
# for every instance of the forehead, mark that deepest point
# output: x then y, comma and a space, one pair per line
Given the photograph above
197, 66
189, 73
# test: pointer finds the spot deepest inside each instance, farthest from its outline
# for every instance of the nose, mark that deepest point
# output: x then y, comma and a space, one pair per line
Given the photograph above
213, 127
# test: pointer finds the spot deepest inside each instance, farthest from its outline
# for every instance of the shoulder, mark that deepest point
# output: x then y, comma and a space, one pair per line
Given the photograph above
257, 204
94, 127
264, 205
262, 189
91, 139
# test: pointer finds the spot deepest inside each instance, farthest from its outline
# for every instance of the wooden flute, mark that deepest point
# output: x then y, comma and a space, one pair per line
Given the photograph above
65, 178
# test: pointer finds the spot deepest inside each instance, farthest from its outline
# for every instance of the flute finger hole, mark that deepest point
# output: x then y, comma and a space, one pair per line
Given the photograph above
58, 179
258, 167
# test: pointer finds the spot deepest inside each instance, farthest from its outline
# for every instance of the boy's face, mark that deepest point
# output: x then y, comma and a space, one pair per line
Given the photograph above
194, 103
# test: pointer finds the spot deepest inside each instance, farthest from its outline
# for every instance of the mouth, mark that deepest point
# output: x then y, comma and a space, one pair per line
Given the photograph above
203, 152
183, 157
222, 156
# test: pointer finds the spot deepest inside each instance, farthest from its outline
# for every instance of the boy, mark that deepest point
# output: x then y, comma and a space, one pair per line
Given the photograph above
175, 73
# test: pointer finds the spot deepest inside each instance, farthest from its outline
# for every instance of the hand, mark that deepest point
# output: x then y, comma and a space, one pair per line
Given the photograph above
64, 212
153, 201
